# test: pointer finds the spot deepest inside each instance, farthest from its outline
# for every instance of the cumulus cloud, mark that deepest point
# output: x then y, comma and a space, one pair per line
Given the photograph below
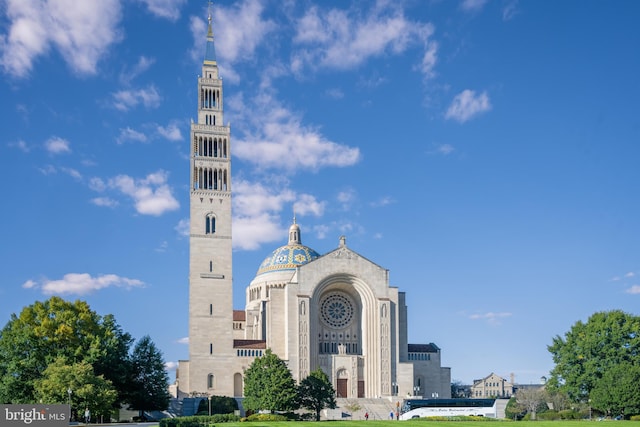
170, 132
341, 39
256, 213
81, 32
57, 145
467, 104
129, 134
279, 140
124, 100
81, 284
151, 195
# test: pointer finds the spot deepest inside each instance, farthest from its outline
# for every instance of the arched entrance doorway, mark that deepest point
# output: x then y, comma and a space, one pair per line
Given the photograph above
342, 383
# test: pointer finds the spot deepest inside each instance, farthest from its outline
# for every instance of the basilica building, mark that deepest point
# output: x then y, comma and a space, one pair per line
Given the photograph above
335, 311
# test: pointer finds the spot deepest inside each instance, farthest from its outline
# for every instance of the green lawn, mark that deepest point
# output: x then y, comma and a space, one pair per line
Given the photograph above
419, 423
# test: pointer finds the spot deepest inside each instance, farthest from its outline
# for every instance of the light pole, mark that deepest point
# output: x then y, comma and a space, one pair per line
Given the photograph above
69, 393
209, 399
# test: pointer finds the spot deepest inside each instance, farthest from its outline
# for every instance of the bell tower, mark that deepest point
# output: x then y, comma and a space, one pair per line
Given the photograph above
210, 251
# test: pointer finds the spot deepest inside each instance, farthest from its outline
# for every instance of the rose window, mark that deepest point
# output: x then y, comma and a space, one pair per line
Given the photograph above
337, 310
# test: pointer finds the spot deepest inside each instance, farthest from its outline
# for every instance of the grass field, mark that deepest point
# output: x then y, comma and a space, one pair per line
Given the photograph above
425, 423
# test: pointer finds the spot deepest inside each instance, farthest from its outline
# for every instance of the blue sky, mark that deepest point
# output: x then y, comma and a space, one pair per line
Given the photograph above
485, 152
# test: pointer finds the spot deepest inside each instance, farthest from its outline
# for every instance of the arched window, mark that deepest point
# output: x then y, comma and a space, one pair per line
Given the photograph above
210, 381
210, 226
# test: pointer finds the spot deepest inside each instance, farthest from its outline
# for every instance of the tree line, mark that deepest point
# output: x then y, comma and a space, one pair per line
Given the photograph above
57, 351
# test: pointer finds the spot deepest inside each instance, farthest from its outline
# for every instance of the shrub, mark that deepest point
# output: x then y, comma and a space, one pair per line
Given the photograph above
199, 420
266, 417
635, 418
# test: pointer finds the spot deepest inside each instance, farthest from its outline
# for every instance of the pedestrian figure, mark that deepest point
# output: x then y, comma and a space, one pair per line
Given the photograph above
366, 416
391, 415
87, 415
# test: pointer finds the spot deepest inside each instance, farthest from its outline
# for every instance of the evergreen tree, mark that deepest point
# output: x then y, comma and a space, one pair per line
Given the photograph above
269, 385
149, 379
316, 392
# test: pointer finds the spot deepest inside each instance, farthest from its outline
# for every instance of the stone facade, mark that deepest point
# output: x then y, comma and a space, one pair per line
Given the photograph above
492, 386
336, 311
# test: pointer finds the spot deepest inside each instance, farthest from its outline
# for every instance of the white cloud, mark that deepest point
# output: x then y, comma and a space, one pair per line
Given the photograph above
170, 132
20, 145
183, 227
129, 134
256, 208
630, 275
491, 317
279, 140
241, 29
184, 340
635, 290
467, 104
171, 366
346, 198
124, 100
48, 170
445, 149
472, 5
104, 202
151, 195
81, 284
306, 204
336, 39
169, 9
143, 64
57, 145
97, 184
81, 31
510, 10
383, 201
72, 173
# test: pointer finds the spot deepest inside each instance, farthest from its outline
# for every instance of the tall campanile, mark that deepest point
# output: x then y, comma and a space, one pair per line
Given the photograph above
210, 281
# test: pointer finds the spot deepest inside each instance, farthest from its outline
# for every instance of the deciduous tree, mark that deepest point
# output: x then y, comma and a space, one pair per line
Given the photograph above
88, 390
46, 331
590, 349
269, 385
316, 392
618, 391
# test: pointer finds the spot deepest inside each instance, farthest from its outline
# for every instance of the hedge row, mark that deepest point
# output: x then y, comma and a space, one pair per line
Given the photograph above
199, 420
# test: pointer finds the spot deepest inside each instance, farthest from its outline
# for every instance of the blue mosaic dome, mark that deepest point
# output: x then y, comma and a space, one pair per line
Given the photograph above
289, 256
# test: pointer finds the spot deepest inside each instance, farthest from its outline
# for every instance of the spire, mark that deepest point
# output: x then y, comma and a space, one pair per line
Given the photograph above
210, 53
